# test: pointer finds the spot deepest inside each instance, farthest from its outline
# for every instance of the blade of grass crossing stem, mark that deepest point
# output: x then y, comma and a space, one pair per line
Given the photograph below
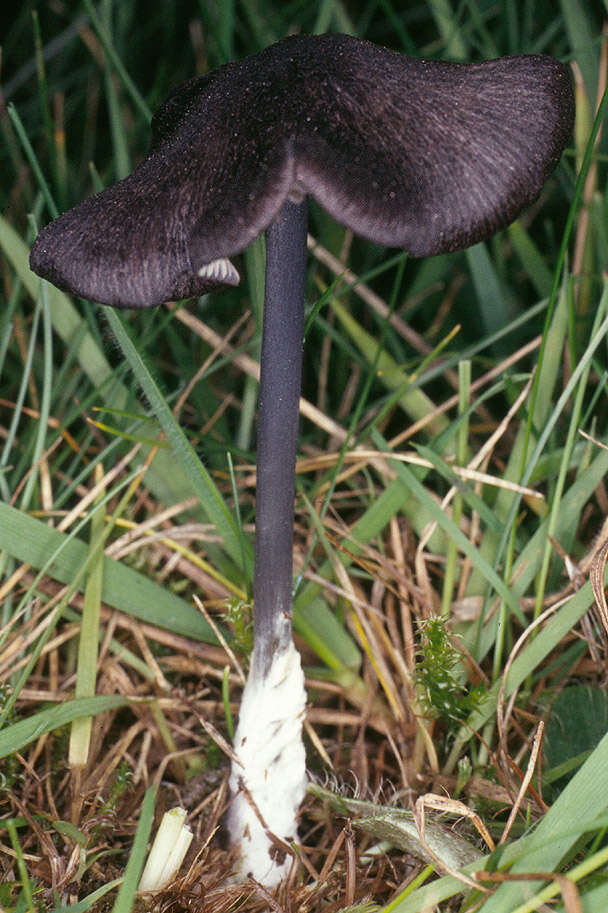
128, 889
464, 400
86, 671
327, 291
202, 483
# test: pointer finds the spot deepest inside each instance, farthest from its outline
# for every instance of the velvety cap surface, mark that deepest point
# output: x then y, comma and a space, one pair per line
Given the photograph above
424, 155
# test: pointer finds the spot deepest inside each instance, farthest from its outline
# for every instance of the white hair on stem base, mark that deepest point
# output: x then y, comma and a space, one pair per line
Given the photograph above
272, 772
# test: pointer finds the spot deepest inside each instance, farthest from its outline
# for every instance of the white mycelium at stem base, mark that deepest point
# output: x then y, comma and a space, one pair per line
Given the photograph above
268, 742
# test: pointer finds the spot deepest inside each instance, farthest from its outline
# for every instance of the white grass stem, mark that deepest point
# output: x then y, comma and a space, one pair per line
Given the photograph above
168, 851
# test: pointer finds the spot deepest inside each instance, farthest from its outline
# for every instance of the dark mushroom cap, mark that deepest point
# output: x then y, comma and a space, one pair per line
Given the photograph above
424, 155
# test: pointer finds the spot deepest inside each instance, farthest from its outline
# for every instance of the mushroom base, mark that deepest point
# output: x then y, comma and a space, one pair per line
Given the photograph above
269, 783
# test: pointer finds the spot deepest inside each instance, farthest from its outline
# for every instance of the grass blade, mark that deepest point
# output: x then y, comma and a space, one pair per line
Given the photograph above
16, 736
128, 889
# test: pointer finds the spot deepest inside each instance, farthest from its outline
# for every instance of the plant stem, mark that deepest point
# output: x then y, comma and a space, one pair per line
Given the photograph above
280, 379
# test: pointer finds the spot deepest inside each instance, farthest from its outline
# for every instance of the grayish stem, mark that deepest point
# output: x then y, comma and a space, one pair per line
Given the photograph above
281, 364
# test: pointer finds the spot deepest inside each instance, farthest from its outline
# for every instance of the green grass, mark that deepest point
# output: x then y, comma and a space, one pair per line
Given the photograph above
492, 359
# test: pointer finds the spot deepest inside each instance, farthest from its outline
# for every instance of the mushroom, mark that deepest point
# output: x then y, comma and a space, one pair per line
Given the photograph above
423, 155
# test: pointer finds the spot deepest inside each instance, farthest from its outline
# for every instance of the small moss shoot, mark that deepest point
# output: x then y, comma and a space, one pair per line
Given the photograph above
444, 693
239, 615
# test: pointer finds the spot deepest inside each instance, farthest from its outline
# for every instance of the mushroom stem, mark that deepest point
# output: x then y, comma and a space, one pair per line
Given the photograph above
268, 776
278, 414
